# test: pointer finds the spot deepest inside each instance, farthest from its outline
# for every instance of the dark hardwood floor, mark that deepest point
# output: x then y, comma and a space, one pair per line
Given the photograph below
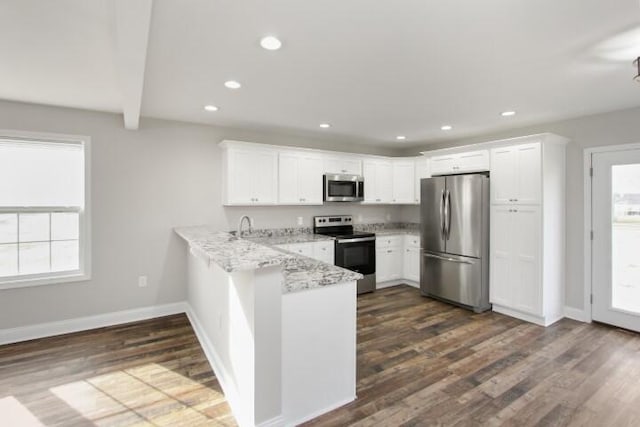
150, 373
420, 362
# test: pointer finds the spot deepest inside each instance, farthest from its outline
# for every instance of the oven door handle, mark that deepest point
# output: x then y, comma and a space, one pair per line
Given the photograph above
357, 240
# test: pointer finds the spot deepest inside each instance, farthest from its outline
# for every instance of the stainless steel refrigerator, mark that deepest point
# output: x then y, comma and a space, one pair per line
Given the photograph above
454, 255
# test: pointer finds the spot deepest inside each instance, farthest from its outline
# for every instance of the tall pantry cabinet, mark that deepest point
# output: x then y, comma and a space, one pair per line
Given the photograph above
527, 235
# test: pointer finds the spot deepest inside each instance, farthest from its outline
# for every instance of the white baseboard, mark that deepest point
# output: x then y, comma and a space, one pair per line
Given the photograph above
575, 314
320, 412
42, 330
273, 422
223, 377
391, 283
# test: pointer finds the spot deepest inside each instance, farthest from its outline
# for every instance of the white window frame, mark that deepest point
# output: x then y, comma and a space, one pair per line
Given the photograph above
84, 272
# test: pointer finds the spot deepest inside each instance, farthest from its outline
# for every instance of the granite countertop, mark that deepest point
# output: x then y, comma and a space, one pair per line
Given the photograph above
239, 254
289, 239
395, 231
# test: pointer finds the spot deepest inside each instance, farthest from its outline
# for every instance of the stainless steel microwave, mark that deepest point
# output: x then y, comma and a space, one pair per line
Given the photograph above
343, 188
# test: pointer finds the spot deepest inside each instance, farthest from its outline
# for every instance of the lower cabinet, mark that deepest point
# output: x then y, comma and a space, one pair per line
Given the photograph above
321, 251
397, 258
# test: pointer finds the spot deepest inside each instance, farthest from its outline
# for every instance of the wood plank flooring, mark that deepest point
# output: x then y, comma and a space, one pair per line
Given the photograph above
150, 373
424, 363
420, 363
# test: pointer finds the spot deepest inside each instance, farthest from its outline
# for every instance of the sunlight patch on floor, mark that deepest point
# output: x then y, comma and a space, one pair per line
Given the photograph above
14, 413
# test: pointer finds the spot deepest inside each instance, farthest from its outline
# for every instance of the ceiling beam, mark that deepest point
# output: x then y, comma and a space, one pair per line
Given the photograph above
132, 22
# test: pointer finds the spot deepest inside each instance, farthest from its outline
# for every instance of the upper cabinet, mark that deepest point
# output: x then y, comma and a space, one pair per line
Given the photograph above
342, 165
250, 176
300, 178
378, 181
471, 161
404, 171
516, 174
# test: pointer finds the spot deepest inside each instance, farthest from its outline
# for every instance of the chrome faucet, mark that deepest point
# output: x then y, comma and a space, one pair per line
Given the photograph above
241, 223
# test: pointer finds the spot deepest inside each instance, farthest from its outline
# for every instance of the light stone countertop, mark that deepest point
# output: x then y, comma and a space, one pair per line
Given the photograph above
238, 254
397, 231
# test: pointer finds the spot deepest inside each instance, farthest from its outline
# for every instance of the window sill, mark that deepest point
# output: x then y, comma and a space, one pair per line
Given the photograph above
41, 280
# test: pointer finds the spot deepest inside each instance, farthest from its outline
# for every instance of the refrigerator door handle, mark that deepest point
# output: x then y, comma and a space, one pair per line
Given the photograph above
459, 261
442, 213
447, 214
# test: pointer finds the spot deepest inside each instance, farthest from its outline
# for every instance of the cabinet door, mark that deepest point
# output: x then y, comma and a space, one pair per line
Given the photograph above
501, 286
503, 175
324, 251
473, 161
288, 179
264, 175
403, 182
384, 182
240, 177
310, 180
412, 264
396, 263
305, 249
369, 175
525, 277
529, 178
442, 165
383, 256
352, 166
422, 171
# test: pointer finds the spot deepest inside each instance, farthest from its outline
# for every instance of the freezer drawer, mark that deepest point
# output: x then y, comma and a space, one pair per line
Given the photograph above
453, 278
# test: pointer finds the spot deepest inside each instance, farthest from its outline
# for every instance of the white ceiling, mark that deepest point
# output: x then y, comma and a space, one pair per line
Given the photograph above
373, 69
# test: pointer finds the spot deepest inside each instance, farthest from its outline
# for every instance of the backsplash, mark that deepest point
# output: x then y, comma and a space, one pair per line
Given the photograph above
289, 231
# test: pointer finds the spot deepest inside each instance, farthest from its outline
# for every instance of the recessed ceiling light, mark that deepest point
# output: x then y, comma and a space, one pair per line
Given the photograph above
508, 113
232, 84
446, 127
270, 43
325, 125
210, 108
401, 137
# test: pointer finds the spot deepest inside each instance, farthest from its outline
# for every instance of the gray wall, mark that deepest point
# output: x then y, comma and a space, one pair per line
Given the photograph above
143, 184
621, 127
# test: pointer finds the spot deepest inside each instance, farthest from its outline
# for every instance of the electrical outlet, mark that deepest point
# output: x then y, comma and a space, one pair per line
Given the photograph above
300, 220
142, 281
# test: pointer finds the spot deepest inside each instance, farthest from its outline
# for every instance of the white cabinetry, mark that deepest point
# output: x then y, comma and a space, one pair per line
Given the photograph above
378, 181
250, 176
389, 258
411, 258
397, 260
300, 178
422, 171
321, 251
342, 165
404, 172
527, 229
470, 161
516, 174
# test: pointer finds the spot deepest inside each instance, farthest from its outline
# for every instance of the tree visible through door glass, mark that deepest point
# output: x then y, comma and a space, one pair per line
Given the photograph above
625, 238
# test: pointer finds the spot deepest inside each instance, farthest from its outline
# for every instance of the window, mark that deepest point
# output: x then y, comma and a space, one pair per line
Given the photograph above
43, 209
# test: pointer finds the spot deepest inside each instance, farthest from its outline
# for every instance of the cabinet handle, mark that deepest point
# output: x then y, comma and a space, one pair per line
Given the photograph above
389, 251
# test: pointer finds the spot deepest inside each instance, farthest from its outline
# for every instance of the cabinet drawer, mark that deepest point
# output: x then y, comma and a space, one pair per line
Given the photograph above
305, 249
388, 241
412, 241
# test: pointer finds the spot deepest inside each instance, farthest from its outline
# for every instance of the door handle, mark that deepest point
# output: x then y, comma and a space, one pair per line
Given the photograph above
447, 214
442, 258
442, 223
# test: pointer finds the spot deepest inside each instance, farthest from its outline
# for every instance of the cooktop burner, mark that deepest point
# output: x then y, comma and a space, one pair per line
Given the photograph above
340, 226
346, 234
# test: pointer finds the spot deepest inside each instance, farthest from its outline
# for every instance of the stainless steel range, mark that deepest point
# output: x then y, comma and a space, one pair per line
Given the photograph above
354, 250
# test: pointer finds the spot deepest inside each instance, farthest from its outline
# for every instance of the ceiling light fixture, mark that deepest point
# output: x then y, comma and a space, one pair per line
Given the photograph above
637, 64
232, 84
401, 137
508, 113
210, 108
325, 125
446, 127
270, 43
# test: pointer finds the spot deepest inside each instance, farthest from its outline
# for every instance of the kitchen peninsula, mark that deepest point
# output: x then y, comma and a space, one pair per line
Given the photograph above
279, 329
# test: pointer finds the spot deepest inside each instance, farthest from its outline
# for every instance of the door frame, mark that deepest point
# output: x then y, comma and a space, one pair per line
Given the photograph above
588, 223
